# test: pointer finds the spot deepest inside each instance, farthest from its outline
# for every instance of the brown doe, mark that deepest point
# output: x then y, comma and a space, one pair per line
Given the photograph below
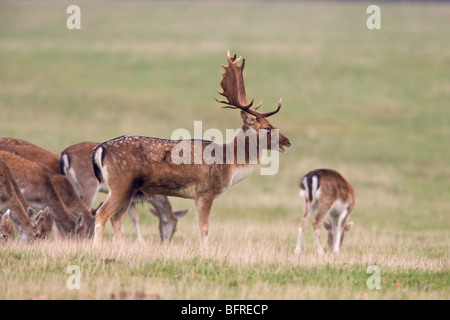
132, 164
333, 197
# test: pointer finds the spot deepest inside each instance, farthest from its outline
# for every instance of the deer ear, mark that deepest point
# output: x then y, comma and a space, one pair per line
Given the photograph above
36, 217
348, 226
247, 118
41, 215
6, 215
327, 226
31, 212
155, 213
44, 214
180, 214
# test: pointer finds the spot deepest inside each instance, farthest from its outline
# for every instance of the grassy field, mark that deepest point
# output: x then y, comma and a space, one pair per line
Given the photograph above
373, 105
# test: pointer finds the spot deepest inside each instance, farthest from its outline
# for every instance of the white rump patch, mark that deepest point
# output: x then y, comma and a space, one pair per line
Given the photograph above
98, 157
304, 190
315, 188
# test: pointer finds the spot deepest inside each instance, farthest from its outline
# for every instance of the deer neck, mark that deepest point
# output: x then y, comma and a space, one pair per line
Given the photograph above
18, 211
63, 217
244, 150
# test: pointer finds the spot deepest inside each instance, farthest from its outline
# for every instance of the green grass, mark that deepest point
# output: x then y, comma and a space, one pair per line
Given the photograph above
372, 104
241, 264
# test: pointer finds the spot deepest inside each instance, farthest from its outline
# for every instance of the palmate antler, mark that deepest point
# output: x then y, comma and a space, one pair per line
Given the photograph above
234, 89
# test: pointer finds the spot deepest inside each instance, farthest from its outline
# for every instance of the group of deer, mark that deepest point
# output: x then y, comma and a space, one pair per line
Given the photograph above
44, 193
63, 187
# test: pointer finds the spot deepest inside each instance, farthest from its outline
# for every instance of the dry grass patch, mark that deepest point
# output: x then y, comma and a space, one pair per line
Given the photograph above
245, 262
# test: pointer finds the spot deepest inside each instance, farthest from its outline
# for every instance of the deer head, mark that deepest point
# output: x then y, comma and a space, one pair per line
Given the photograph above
39, 222
335, 244
168, 222
6, 229
234, 90
80, 228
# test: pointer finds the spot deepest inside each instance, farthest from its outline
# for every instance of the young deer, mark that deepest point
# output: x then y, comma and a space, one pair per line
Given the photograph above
31, 224
334, 198
6, 228
36, 184
76, 165
132, 164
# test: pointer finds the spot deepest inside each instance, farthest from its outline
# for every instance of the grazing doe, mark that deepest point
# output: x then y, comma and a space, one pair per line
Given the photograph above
132, 164
328, 192
76, 165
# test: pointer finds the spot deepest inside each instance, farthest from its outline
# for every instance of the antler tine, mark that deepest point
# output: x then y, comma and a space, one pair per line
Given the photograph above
259, 105
233, 84
233, 59
234, 89
268, 114
231, 106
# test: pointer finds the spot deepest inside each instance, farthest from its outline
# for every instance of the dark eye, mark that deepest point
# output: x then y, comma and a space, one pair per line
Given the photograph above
268, 128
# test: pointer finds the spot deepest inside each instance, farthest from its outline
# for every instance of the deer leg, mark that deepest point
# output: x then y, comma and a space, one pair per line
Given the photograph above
114, 206
317, 223
116, 222
308, 209
341, 227
337, 235
203, 205
57, 236
134, 215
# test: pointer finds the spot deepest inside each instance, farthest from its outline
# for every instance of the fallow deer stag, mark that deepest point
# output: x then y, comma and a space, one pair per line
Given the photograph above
76, 165
132, 164
328, 192
31, 225
37, 185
